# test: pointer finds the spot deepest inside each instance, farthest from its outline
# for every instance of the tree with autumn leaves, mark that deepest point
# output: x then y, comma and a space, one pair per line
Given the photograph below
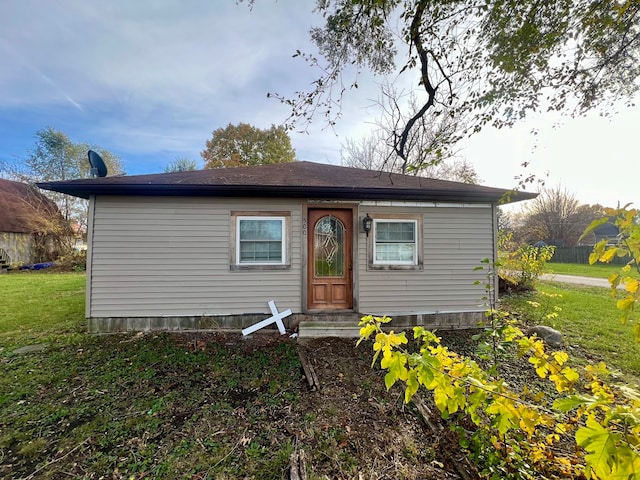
244, 144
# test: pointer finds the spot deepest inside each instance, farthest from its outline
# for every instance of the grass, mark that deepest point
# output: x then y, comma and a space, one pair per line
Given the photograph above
134, 404
597, 270
589, 320
40, 308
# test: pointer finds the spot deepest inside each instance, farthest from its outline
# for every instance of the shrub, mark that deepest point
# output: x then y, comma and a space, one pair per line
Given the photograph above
73, 262
519, 270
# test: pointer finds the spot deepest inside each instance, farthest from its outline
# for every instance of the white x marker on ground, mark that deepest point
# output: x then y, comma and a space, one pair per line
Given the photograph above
275, 317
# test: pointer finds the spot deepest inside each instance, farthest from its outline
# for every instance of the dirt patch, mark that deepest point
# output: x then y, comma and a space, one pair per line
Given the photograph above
384, 437
351, 426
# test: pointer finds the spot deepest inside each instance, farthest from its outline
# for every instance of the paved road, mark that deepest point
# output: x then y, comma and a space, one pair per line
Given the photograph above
589, 281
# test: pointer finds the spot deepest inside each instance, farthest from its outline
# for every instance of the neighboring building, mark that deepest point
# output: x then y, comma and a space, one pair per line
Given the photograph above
209, 248
30, 225
607, 231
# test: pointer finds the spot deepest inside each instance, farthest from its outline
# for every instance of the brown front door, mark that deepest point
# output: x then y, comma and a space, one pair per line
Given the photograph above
329, 262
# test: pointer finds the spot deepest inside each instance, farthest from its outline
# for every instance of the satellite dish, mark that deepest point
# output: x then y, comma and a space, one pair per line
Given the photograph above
98, 167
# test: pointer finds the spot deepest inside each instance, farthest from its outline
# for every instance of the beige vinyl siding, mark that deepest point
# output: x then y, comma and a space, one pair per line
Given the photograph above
170, 256
455, 240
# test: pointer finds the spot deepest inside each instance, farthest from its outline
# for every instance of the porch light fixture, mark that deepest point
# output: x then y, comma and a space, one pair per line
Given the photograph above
367, 222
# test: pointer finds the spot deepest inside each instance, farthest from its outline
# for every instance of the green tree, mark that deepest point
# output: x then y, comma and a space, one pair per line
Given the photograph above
56, 157
244, 144
181, 165
487, 61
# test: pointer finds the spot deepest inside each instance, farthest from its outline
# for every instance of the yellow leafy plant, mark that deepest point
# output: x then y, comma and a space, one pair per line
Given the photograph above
604, 420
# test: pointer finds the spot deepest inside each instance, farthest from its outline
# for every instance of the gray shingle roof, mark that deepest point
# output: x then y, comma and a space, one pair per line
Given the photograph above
296, 179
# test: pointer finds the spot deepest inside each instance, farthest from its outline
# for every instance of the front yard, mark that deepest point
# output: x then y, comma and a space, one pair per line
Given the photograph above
216, 406
188, 406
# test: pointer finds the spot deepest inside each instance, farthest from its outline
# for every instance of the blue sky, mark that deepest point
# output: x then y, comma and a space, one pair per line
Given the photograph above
150, 80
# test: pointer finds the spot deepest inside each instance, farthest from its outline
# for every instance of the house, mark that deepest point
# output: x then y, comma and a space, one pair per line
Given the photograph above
30, 225
209, 248
607, 231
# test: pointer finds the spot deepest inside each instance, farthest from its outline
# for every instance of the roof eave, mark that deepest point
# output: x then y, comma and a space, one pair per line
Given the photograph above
86, 190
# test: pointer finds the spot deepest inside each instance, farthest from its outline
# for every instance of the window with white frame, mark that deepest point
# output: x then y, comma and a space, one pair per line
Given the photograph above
395, 242
260, 240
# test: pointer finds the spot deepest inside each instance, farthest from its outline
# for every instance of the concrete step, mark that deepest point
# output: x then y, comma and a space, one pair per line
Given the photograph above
313, 329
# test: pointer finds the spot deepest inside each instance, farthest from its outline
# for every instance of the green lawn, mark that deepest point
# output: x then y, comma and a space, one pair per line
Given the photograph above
589, 320
40, 307
149, 406
599, 270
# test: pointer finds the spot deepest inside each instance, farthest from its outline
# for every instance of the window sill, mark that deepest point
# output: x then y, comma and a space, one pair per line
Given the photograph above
387, 268
258, 268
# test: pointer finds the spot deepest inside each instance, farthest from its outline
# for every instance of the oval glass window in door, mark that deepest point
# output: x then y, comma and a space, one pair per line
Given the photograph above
329, 247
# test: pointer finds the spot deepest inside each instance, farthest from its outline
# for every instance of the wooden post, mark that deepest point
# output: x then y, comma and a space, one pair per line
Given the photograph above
309, 372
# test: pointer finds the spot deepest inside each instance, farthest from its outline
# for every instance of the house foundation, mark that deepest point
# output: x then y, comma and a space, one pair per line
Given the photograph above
307, 325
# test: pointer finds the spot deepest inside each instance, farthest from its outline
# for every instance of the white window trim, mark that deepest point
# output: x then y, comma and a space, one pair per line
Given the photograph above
283, 240
415, 241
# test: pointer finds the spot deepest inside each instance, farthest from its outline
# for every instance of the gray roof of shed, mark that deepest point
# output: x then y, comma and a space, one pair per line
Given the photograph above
293, 180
